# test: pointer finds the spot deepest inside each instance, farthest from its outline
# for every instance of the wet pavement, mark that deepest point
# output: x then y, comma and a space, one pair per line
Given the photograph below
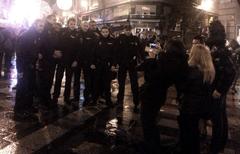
96, 130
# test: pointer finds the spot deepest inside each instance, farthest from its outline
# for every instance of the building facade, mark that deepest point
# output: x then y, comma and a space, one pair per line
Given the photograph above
229, 15
140, 14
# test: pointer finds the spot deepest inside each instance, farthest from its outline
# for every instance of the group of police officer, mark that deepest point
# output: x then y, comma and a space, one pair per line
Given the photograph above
47, 50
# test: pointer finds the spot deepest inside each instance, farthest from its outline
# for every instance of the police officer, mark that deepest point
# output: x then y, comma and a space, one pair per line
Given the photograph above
69, 61
105, 63
93, 28
127, 53
225, 74
224, 77
87, 59
51, 40
28, 57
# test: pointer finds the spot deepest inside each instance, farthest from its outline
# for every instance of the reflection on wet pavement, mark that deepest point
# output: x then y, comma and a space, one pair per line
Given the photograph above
111, 127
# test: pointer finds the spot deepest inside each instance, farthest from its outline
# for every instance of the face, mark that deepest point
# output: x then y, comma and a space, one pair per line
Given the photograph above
85, 27
127, 32
72, 25
92, 25
52, 19
57, 27
39, 26
105, 32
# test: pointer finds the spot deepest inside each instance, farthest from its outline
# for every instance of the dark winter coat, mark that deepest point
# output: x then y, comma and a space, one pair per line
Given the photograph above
128, 50
69, 45
87, 42
225, 71
105, 51
196, 94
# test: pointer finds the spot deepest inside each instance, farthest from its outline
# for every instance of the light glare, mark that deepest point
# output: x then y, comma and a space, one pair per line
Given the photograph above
64, 4
84, 3
206, 5
21, 13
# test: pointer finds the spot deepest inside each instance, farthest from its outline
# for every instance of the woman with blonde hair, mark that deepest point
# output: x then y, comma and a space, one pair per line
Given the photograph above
196, 96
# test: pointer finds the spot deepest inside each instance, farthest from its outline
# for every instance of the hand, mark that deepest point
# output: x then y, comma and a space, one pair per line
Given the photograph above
40, 56
74, 64
216, 94
93, 67
57, 54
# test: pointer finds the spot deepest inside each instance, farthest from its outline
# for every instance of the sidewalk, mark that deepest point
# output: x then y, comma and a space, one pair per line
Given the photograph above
31, 135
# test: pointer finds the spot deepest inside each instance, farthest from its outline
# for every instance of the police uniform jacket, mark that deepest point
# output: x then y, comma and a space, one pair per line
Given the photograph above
87, 47
225, 71
105, 51
128, 49
69, 44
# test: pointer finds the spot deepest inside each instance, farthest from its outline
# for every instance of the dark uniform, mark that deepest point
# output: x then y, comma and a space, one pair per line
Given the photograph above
51, 40
30, 45
105, 60
86, 58
225, 74
68, 41
128, 49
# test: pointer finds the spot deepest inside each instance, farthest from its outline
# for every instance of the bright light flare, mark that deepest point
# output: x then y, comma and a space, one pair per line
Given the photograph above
84, 3
64, 4
206, 5
21, 13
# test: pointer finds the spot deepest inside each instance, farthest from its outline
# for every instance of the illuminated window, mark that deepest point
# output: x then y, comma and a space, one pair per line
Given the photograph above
146, 9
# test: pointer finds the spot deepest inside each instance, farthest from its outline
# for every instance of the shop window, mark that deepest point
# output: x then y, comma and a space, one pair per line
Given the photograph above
121, 10
146, 10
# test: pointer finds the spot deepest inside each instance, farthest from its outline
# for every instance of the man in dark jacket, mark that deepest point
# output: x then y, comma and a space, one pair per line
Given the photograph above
30, 53
93, 28
51, 40
69, 60
87, 60
105, 63
128, 51
225, 74
160, 72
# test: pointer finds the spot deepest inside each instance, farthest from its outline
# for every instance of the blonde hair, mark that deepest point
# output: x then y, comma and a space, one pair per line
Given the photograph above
200, 57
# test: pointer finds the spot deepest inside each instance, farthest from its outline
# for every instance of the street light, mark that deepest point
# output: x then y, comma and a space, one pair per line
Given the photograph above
64, 4
206, 5
22, 14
